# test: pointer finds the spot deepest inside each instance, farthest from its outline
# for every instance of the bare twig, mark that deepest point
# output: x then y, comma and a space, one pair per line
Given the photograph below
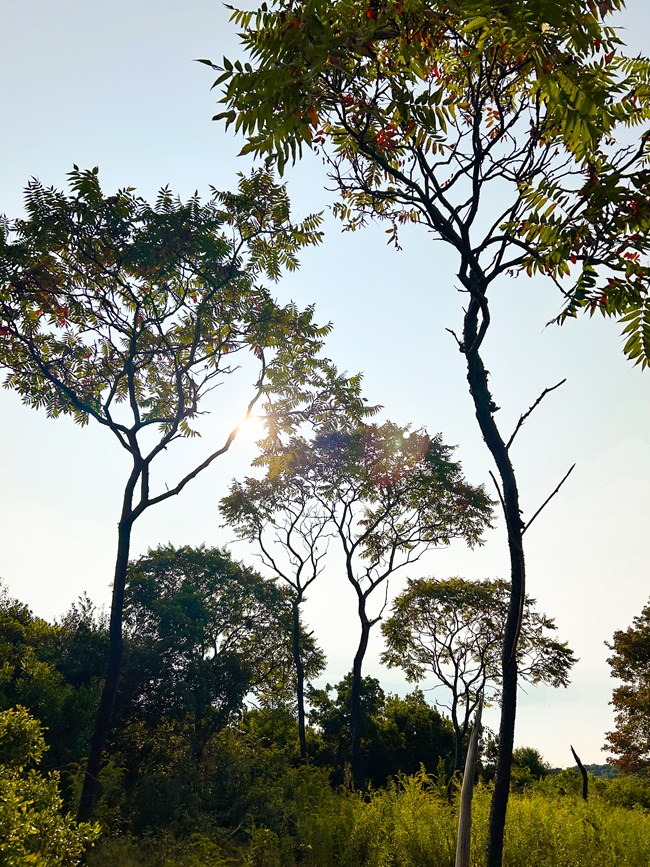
530, 409
455, 336
548, 499
496, 485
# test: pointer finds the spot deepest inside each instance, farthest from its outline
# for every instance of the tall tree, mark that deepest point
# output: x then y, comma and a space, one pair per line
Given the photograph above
387, 495
453, 629
493, 125
129, 315
630, 663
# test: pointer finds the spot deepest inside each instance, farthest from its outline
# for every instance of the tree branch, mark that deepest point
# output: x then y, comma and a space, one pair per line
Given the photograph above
531, 408
548, 499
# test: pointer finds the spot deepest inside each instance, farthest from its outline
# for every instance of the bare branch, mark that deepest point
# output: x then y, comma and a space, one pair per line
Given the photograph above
531, 408
548, 499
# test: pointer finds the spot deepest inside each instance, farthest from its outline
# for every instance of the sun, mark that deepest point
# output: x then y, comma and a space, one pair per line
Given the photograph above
252, 427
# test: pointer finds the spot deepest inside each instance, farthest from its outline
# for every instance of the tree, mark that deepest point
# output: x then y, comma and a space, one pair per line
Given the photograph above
129, 315
409, 734
53, 671
204, 632
388, 495
281, 517
453, 629
493, 125
630, 663
333, 719
33, 827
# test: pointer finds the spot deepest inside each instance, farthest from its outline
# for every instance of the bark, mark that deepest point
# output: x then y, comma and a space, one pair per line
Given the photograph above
300, 676
358, 775
115, 649
463, 844
477, 378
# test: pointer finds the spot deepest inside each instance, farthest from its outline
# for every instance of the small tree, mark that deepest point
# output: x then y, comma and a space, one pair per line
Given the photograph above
453, 630
388, 495
291, 533
630, 663
130, 315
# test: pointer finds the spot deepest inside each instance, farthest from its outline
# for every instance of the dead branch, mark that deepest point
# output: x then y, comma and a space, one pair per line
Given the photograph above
531, 408
549, 498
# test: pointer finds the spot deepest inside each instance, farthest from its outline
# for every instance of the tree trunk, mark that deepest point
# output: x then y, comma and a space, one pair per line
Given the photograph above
115, 648
477, 377
583, 771
300, 676
463, 844
358, 775
458, 739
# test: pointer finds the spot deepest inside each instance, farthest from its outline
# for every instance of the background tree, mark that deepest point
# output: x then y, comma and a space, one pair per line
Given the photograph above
54, 671
290, 531
630, 663
420, 108
453, 629
129, 315
205, 632
388, 496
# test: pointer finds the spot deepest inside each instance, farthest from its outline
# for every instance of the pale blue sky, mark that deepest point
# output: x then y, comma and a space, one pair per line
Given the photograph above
114, 85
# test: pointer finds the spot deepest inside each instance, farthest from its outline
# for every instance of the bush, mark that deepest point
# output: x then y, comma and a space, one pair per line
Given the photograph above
33, 829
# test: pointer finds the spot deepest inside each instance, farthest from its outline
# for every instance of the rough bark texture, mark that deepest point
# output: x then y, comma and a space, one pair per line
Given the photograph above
477, 378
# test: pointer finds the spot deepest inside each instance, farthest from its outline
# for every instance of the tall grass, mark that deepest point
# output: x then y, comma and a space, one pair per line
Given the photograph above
411, 824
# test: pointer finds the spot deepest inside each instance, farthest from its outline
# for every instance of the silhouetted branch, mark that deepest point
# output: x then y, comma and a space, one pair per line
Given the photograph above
530, 409
549, 498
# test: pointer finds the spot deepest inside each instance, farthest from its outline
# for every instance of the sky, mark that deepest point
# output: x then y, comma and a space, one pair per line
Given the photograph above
115, 85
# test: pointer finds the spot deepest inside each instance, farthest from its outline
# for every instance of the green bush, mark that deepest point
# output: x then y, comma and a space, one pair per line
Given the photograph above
33, 829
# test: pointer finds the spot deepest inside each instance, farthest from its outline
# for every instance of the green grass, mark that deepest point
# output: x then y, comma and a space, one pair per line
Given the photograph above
410, 824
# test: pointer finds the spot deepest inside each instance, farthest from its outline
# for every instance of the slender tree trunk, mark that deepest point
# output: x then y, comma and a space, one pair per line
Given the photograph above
464, 841
300, 676
115, 648
355, 698
477, 377
458, 741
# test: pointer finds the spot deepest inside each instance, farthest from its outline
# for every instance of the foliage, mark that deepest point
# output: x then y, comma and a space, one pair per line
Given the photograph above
398, 735
386, 494
129, 314
110, 304
630, 662
205, 631
453, 630
53, 670
33, 829
495, 126
420, 106
528, 766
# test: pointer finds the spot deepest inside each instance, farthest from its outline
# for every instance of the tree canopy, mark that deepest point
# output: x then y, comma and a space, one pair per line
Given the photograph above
384, 493
420, 107
630, 663
453, 630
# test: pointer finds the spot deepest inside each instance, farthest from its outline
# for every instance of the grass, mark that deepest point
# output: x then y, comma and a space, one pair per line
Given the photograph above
409, 824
